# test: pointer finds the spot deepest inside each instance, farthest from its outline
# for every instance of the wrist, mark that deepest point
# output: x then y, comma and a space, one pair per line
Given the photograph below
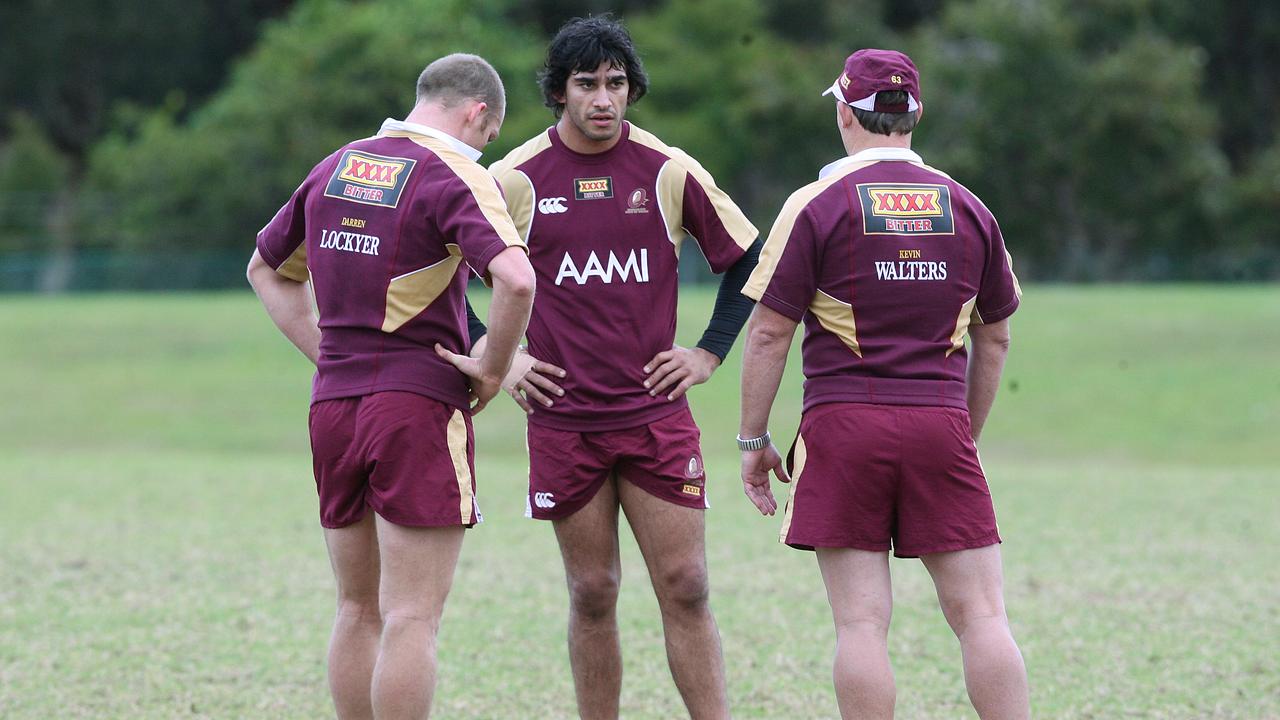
751, 444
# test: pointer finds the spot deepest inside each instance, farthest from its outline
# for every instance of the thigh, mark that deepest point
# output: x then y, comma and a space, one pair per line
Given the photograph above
858, 585
843, 479
672, 539
589, 540
970, 583
341, 479
664, 459
943, 502
417, 565
566, 472
353, 553
421, 458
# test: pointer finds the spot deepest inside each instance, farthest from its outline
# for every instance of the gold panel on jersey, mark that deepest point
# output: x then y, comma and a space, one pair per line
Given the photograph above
968, 315
776, 244
837, 318
797, 469
409, 294
670, 186
295, 266
731, 216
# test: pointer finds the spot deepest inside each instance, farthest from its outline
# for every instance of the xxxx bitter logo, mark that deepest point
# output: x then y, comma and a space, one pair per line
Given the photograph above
369, 179
906, 209
596, 188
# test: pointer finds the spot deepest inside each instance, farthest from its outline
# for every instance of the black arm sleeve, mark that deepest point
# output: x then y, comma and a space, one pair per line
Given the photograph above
475, 328
732, 307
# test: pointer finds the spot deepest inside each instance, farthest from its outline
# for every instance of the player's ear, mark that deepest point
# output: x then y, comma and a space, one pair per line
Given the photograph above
844, 115
476, 109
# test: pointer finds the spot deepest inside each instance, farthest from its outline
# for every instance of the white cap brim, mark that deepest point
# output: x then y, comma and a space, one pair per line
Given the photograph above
867, 103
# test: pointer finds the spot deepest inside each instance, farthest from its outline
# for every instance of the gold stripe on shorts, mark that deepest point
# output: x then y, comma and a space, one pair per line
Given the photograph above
800, 454
457, 436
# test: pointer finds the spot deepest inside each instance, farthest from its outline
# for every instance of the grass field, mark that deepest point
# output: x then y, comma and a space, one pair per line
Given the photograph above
160, 555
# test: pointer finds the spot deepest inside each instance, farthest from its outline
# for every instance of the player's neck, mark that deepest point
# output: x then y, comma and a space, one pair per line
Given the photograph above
573, 138
437, 117
856, 143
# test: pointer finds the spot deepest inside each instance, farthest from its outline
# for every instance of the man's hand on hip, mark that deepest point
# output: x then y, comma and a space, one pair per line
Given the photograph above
529, 381
676, 370
483, 388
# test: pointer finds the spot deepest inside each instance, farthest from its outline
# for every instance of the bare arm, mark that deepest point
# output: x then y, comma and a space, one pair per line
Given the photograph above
288, 302
768, 342
513, 283
986, 362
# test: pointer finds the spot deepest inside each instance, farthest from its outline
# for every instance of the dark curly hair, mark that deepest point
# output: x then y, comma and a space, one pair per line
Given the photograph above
582, 44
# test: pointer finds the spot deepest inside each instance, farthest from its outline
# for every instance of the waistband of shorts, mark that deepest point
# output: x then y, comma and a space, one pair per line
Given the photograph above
883, 391
606, 421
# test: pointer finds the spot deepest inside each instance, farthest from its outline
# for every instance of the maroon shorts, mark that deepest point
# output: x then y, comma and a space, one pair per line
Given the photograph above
566, 468
409, 457
873, 477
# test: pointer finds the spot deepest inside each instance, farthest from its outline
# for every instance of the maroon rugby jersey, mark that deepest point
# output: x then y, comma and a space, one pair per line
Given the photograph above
381, 228
887, 261
604, 234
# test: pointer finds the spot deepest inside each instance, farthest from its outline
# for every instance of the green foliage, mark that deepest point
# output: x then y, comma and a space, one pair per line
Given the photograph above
32, 173
1097, 156
330, 72
1099, 132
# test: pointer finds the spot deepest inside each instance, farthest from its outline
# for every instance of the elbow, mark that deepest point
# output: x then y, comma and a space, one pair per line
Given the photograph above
519, 285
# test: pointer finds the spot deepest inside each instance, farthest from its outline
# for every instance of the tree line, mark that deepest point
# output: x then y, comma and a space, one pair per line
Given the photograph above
1114, 139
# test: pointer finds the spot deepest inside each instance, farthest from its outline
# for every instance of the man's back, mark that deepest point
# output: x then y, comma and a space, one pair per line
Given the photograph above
382, 227
888, 262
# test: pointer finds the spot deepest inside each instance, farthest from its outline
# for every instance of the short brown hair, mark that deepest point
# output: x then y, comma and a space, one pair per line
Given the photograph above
461, 76
883, 123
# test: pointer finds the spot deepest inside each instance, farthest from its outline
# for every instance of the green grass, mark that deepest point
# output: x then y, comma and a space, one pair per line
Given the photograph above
160, 555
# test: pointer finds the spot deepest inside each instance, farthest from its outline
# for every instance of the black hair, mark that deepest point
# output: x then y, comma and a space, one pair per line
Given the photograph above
582, 44
885, 123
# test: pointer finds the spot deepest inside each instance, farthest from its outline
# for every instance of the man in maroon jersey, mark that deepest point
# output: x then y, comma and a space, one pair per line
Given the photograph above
889, 263
604, 207
385, 229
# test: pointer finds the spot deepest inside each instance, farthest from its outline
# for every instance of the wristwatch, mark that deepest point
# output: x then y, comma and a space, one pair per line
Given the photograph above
755, 443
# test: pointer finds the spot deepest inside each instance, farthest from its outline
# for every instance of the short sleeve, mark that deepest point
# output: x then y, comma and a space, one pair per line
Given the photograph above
517, 190
999, 292
722, 231
786, 278
282, 243
472, 215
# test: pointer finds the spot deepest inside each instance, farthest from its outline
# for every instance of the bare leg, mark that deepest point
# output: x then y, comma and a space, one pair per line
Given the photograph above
417, 572
970, 587
353, 646
861, 598
589, 545
672, 539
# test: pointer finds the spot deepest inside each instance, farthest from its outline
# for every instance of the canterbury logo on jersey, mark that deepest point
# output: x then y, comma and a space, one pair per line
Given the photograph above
369, 179
906, 209
544, 500
635, 268
552, 205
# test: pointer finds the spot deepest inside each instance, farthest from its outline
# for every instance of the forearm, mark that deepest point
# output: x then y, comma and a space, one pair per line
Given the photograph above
986, 364
763, 363
732, 308
513, 285
288, 303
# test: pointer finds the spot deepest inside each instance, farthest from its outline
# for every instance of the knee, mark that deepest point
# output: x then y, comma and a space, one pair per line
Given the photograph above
594, 597
683, 588
963, 612
359, 607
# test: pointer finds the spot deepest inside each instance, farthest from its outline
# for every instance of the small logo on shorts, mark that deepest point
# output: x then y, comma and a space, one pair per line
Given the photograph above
693, 469
544, 500
693, 490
